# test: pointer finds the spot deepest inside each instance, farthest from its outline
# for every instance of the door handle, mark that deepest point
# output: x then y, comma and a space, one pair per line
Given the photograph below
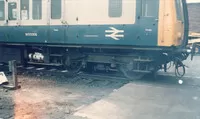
156, 19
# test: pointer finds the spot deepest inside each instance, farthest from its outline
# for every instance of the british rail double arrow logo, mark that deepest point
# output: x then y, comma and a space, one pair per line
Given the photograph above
114, 33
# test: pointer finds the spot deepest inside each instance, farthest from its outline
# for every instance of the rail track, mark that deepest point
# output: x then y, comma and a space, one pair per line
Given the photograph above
52, 71
81, 74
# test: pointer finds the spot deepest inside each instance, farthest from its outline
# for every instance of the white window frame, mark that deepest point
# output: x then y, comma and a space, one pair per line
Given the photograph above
12, 22
31, 21
57, 21
3, 22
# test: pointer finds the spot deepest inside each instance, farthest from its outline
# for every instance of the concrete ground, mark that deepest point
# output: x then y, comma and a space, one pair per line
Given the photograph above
142, 101
163, 98
63, 98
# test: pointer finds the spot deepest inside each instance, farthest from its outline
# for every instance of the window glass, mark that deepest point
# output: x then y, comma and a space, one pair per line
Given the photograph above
2, 10
12, 11
179, 9
150, 8
115, 8
24, 9
56, 9
37, 9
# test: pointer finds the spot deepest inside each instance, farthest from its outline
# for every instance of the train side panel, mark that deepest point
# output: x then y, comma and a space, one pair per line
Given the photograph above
92, 22
113, 22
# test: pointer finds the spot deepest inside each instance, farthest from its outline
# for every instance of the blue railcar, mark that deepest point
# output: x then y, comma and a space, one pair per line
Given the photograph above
136, 35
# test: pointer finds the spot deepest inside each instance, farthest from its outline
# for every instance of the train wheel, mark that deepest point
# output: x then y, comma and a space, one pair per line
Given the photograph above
74, 67
131, 75
153, 75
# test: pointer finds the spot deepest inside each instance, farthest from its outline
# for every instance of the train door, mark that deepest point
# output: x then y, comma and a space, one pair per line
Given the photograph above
149, 22
33, 21
56, 28
2, 21
26, 21
12, 20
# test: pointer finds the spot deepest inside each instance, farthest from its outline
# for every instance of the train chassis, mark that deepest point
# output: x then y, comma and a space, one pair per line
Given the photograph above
128, 62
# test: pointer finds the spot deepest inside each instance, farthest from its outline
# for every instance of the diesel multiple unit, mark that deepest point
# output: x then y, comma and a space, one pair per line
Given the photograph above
132, 36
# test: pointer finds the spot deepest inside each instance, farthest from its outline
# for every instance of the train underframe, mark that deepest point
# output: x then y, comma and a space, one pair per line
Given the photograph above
130, 62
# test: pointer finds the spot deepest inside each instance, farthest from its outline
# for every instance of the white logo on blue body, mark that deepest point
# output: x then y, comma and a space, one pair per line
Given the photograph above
114, 33
31, 34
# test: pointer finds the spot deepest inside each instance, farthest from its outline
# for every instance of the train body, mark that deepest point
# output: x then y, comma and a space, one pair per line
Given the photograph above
138, 35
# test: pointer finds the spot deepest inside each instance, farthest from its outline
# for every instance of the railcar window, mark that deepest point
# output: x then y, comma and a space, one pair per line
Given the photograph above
179, 10
37, 9
56, 9
12, 11
115, 8
24, 9
2, 10
150, 8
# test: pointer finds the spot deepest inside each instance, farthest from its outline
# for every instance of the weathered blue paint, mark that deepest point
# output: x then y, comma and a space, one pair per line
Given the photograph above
3, 33
77, 35
18, 34
142, 33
